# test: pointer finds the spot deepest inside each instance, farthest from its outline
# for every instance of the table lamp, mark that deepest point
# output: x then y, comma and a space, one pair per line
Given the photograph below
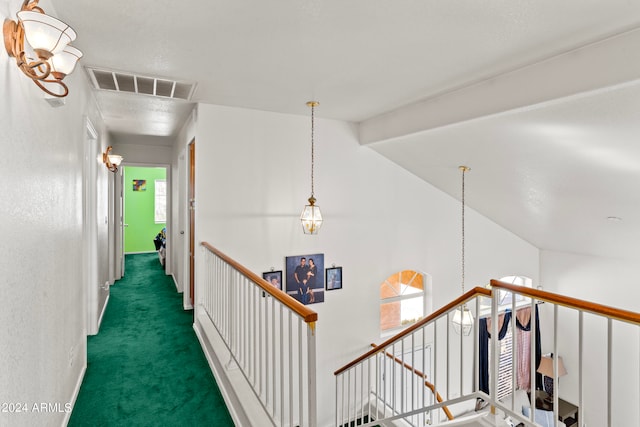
546, 369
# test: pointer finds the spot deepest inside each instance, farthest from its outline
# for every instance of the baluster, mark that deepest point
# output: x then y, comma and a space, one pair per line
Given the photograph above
290, 370
300, 383
402, 377
581, 366
447, 359
609, 369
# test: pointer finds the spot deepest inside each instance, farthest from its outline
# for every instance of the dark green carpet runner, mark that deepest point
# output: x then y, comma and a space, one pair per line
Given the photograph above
146, 366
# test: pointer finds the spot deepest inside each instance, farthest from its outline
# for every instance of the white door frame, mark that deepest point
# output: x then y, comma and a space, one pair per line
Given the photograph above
120, 205
90, 226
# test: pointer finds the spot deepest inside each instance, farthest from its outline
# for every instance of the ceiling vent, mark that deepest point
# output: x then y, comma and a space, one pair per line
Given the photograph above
118, 81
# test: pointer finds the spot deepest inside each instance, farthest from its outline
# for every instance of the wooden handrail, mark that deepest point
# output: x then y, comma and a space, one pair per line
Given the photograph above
424, 377
308, 315
603, 310
455, 303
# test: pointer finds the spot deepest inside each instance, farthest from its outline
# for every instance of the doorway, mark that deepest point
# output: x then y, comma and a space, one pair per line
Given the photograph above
145, 207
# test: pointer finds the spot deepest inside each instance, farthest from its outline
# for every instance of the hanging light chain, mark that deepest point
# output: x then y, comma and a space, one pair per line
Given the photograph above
313, 105
464, 169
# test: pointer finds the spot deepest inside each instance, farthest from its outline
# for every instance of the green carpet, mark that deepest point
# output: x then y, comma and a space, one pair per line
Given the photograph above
146, 366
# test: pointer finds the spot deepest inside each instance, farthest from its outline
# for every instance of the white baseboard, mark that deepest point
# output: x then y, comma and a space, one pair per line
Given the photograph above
104, 309
228, 394
74, 397
244, 407
175, 282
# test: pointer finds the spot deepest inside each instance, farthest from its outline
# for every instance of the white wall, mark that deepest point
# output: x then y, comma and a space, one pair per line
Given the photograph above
253, 180
42, 295
179, 230
143, 154
612, 282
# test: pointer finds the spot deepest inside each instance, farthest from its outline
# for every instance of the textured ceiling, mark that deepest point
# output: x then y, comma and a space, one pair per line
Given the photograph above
548, 165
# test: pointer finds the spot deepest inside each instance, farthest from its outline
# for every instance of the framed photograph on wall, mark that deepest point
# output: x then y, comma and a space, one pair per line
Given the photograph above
334, 278
274, 278
305, 278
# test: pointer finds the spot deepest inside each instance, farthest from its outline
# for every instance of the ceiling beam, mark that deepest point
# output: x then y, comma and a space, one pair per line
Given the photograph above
605, 63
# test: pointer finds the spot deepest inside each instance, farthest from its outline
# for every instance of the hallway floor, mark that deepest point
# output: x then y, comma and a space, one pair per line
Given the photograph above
146, 366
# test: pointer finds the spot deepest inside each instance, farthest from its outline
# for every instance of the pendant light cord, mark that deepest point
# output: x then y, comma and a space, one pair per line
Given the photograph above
464, 169
312, 148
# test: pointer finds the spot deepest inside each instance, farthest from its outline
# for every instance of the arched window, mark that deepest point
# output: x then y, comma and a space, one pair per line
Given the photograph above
402, 299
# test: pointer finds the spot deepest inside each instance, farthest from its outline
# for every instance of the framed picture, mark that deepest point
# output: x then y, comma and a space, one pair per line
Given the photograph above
274, 278
139, 185
334, 278
305, 278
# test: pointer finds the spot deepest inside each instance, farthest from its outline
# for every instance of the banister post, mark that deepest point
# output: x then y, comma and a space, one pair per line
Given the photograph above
311, 374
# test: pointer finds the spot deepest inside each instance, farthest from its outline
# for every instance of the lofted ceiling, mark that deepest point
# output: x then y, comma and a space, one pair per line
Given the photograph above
540, 98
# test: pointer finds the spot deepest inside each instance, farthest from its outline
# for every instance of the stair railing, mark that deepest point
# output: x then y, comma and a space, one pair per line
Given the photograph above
270, 336
417, 372
388, 382
572, 308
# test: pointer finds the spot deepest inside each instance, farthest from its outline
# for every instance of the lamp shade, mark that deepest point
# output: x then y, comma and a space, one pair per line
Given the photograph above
45, 33
115, 159
462, 321
546, 367
65, 61
311, 218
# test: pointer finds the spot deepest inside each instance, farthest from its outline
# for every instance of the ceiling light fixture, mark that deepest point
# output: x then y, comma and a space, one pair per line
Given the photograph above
111, 161
311, 217
462, 318
46, 57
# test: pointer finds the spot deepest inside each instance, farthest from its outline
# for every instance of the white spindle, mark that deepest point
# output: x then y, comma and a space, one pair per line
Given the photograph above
581, 366
281, 356
609, 369
495, 360
402, 377
377, 371
300, 381
290, 368
447, 359
555, 363
514, 351
532, 356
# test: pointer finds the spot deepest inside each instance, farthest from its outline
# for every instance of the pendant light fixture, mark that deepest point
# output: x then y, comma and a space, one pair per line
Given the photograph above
462, 318
311, 217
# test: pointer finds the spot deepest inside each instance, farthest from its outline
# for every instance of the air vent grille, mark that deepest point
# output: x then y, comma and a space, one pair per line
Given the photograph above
131, 83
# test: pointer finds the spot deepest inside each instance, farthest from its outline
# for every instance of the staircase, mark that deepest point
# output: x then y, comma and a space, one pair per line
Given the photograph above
260, 342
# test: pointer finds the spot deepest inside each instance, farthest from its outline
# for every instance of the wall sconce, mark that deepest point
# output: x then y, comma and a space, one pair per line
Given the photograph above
111, 161
46, 57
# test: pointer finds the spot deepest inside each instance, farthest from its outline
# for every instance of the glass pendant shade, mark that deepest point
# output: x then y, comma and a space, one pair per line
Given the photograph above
46, 35
115, 159
462, 321
64, 62
311, 218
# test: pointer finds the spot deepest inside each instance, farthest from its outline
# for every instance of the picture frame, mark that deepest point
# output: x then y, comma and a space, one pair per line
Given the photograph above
139, 185
305, 278
274, 278
333, 278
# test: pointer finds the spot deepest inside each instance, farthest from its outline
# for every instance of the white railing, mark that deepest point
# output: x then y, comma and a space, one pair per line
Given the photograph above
269, 335
613, 336
428, 373
413, 377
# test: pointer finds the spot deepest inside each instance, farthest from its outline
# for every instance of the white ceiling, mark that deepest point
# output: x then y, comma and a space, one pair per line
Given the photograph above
550, 164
